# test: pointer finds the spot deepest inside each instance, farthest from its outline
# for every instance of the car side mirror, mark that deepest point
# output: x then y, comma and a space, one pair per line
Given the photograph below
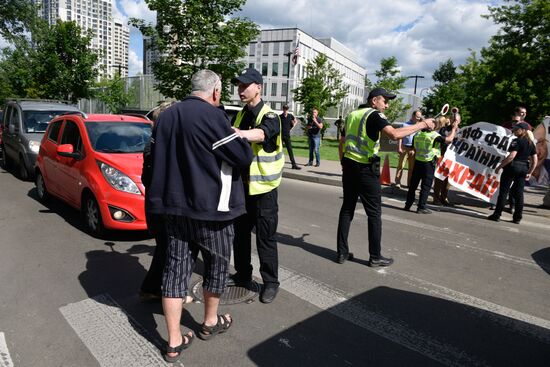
66, 150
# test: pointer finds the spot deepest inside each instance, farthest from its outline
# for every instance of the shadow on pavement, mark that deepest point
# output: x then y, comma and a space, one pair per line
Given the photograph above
323, 252
391, 327
542, 258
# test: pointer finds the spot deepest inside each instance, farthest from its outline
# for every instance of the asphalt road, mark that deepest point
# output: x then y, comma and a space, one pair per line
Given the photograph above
463, 291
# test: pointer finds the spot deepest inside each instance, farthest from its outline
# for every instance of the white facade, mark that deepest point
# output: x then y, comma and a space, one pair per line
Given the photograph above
110, 37
272, 52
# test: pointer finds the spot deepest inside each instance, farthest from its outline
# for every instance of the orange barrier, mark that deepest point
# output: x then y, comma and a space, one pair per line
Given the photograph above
385, 178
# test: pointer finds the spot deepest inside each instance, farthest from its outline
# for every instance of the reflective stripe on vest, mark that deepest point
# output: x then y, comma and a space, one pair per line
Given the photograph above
358, 146
424, 146
266, 169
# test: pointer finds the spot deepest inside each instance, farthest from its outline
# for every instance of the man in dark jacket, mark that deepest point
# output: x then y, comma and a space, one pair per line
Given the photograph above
195, 186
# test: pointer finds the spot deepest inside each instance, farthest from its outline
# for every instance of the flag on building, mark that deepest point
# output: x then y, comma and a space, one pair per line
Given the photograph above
296, 51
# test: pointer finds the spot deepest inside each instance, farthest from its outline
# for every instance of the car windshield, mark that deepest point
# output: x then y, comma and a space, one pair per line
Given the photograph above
37, 121
118, 137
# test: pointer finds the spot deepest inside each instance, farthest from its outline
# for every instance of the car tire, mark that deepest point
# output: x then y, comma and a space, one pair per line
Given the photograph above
92, 216
41, 190
5, 159
22, 169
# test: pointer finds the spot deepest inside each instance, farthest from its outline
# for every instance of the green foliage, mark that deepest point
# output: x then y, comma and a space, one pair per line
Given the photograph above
113, 93
193, 35
511, 70
16, 17
322, 88
389, 78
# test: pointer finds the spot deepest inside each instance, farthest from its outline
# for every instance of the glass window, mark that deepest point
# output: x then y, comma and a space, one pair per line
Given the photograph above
265, 49
54, 131
273, 89
264, 89
275, 69
276, 49
252, 49
284, 89
285, 68
14, 119
71, 135
252, 65
287, 47
118, 137
264, 68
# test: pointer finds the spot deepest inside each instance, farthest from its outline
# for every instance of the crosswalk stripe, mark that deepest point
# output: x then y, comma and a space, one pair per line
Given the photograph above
113, 337
5, 359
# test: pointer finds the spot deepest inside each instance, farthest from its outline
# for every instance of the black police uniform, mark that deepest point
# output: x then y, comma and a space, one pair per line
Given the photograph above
286, 124
262, 211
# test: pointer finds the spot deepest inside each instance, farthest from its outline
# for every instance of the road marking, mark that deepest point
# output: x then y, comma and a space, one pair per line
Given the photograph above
113, 337
5, 359
338, 303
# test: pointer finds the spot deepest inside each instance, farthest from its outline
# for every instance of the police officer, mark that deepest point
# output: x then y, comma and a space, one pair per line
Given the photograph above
262, 127
361, 170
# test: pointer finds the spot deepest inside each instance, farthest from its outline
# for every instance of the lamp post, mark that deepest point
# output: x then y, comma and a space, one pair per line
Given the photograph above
415, 80
288, 54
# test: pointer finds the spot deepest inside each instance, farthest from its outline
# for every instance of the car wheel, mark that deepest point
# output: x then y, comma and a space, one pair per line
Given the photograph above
22, 169
5, 159
92, 216
41, 187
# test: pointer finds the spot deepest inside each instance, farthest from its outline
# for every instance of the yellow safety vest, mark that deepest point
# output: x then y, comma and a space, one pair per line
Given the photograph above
424, 146
266, 169
358, 146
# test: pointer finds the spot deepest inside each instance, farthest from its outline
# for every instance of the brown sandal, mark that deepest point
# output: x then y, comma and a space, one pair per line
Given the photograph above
208, 332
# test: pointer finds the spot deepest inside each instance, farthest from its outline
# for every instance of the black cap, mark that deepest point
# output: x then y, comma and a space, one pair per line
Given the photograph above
380, 92
248, 76
520, 125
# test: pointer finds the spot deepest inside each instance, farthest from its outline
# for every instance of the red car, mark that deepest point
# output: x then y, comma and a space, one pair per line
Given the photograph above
94, 163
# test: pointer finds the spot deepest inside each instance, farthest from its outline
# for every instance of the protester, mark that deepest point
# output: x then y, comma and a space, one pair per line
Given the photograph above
441, 187
262, 128
518, 167
339, 127
194, 151
288, 121
427, 145
361, 171
314, 127
406, 151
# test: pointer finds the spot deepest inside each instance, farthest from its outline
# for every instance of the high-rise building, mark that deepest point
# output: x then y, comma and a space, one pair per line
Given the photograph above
110, 36
272, 54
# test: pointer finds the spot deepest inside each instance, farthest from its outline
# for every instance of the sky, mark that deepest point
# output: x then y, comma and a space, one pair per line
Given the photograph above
421, 34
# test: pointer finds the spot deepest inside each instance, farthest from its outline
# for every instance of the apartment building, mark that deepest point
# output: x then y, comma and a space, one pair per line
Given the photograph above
110, 36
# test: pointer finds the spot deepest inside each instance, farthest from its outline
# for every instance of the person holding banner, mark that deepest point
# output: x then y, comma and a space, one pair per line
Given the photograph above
427, 145
441, 187
361, 171
518, 167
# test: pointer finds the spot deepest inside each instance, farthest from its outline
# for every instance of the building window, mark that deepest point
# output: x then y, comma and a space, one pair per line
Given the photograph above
252, 49
251, 66
273, 89
276, 49
287, 47
284, 89
264, 68
285, 68
275, 69
265, 49
264, 89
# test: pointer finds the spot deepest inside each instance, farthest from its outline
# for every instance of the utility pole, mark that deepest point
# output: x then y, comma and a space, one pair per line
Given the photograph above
415, 80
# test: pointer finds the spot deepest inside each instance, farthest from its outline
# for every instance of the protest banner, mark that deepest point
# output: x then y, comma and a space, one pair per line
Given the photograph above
541, 174
471, 160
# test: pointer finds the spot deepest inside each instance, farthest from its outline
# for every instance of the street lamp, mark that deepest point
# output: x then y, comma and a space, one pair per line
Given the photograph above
288, 54
415, 80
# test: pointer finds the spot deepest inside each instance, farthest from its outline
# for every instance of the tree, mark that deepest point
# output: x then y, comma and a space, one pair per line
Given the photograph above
195, 34
16, 17
113, 93
322, 88
61, 62
389, 78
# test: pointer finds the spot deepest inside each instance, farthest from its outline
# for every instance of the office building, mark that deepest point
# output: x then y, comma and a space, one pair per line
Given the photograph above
110, 36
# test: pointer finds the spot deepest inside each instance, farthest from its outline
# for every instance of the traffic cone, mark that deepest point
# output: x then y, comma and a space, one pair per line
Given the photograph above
385, 178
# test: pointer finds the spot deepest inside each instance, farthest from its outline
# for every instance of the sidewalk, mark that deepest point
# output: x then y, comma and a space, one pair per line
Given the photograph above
330, 173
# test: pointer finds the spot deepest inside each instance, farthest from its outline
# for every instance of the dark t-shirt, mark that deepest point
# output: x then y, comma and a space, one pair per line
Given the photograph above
286, 123
375, 123
270, 125
314, 128
524, 149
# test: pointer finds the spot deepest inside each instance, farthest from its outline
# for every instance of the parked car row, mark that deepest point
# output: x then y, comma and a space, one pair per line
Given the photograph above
91, 162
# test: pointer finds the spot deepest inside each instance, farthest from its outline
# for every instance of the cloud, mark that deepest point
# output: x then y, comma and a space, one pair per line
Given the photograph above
134, 9
135, 64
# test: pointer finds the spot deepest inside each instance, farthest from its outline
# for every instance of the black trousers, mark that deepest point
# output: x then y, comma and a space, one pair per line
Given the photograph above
262, 215
361, 181
512, 181
288, 144
422, 171
153, 280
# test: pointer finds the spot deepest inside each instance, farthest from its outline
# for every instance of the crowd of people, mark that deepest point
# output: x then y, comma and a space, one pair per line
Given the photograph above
210, 182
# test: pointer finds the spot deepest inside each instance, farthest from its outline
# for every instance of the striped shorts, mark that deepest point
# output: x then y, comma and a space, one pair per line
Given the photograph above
186, 238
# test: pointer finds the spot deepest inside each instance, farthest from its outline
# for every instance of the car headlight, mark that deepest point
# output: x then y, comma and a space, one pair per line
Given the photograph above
117, 179
34, 146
